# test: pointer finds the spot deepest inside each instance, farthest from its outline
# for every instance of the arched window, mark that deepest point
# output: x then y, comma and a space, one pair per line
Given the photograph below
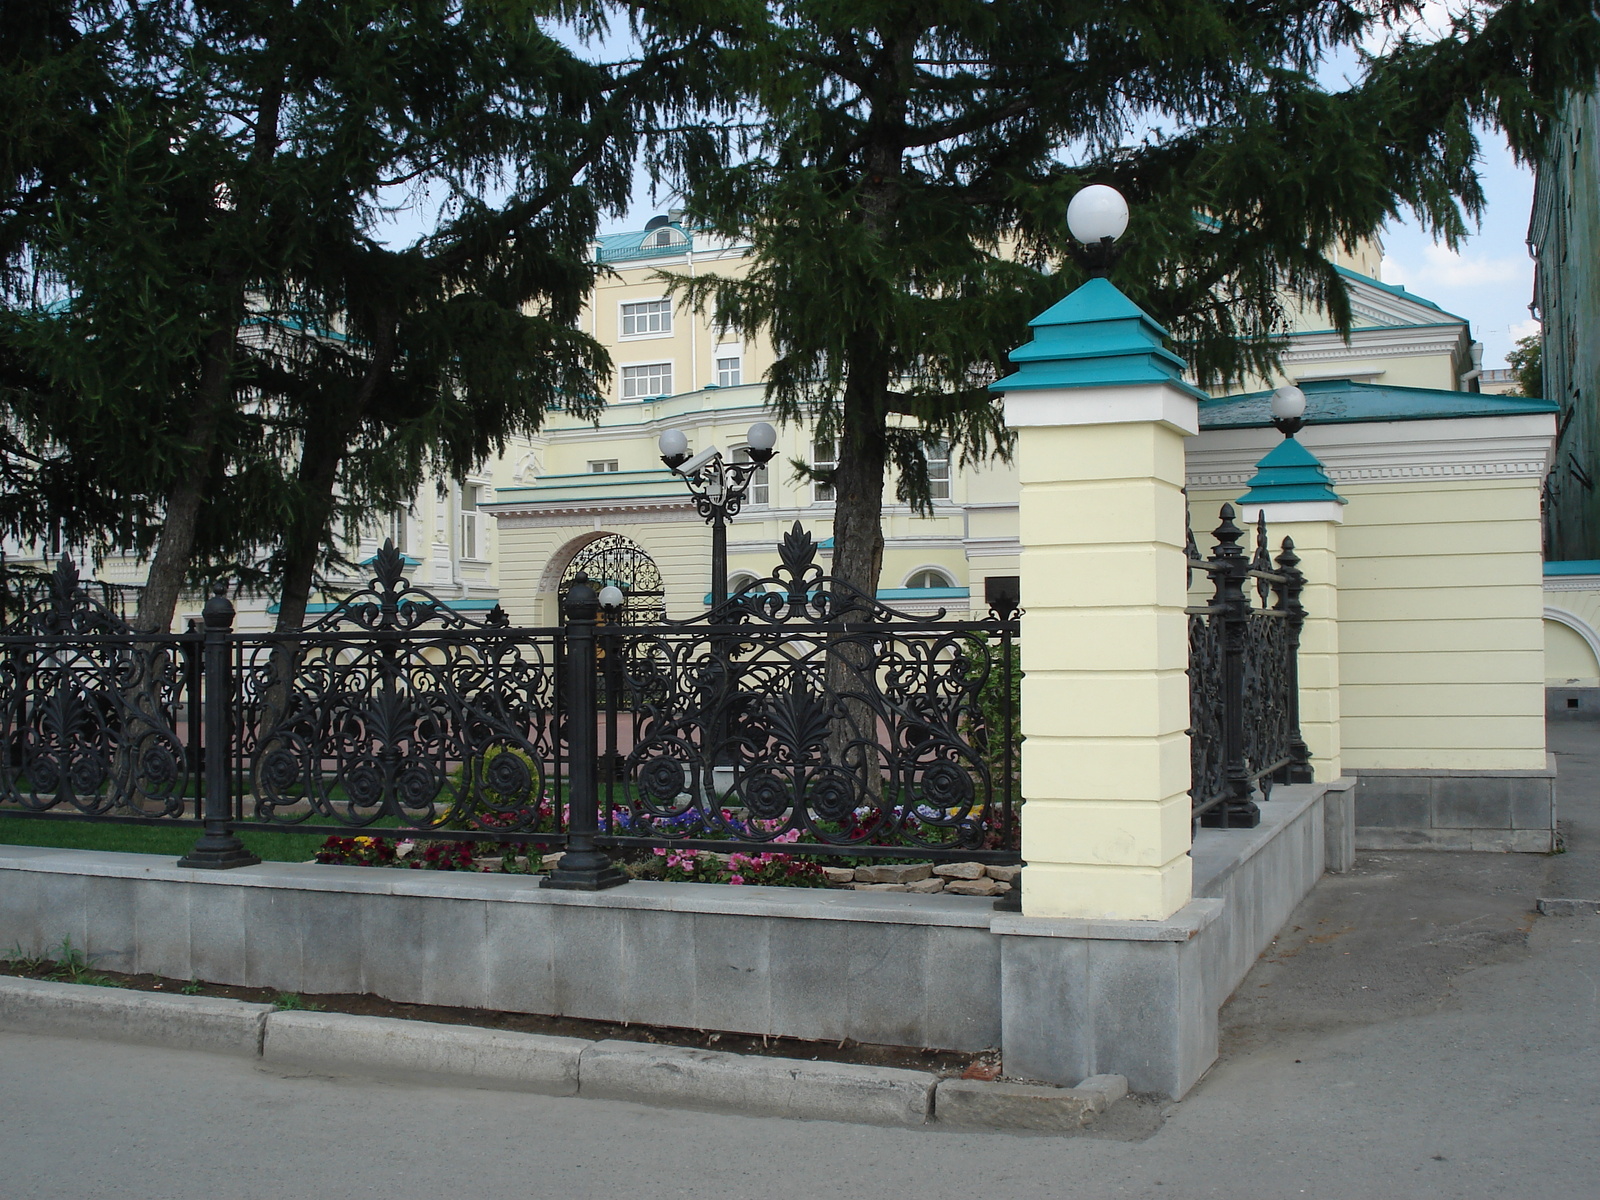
740, 582
929, 578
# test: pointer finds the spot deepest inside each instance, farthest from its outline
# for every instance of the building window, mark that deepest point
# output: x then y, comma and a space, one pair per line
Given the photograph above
647, 318
929, 578
824, 457
938, 456
728, 373
602, 466
741, 583
398, 520
758, 493
652, 379
471, 544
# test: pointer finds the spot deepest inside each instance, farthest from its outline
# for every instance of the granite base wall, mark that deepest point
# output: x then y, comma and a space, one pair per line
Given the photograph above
1064, 999
1456, 810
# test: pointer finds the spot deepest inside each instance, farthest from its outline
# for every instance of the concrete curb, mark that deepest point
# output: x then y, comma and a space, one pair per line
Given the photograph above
182, 1022
779, 1087
1552, 907
973, 1104
524, 1062
465, 1055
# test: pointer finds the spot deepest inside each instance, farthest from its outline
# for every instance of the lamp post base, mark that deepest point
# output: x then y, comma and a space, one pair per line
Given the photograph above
218, 852
585, 871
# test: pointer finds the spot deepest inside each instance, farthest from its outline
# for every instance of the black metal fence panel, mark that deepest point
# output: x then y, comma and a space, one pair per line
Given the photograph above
1244, 680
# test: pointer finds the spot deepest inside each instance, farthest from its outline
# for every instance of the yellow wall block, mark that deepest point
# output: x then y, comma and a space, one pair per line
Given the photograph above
1107, 893
1568, 658
1097, 513
1096, 833
1402, 668
1099, 576
1105, 705
1104, 639
1134, 769
1057, 454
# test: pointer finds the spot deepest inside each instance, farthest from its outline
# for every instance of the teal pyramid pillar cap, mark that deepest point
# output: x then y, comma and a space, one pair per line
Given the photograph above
1095, 338
1290, 474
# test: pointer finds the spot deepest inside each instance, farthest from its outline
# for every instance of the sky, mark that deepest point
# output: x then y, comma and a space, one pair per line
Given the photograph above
1490, 281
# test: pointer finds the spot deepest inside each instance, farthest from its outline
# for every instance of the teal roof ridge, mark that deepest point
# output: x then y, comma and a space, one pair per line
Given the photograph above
1395, 289
1094, 337
1290, 474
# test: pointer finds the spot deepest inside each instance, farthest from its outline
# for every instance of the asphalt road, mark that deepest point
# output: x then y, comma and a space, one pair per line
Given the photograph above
1416, 1031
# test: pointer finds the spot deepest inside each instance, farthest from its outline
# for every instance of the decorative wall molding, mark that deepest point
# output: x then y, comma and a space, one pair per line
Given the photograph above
1513, 447
546, 516
1578, 626
1571, 583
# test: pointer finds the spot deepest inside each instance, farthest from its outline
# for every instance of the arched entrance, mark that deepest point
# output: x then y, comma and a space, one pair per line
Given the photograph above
613, 558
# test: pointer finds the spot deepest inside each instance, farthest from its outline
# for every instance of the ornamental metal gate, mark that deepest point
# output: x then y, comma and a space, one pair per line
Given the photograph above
622, 562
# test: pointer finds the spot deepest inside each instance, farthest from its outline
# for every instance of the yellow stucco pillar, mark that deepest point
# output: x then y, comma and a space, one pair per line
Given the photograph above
1292, 490
1101, 413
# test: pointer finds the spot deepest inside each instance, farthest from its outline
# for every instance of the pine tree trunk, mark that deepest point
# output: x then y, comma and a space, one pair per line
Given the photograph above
181, 513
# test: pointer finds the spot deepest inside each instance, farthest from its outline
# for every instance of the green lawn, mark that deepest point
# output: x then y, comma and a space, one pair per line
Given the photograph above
145, 839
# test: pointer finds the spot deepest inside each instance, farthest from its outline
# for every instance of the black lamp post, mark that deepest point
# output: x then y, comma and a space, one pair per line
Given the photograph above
719, 488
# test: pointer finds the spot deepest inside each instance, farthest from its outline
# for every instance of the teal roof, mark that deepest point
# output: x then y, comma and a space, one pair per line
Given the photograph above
1289, 474
1394, 289
1343, 401
1578, 566
1096, 337
620, 247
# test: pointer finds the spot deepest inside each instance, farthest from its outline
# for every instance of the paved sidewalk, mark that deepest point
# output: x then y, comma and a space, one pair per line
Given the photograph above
1417, 1031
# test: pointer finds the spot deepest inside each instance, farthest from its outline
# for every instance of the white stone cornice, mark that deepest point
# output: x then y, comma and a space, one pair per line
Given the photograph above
993, 547
1511, 447
1156, 403
1572, 583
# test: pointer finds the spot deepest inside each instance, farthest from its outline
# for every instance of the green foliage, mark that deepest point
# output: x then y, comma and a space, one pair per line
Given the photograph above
199, 312
902, 171
998, 702
66, 963
294, 1002
1527, 364
175, 841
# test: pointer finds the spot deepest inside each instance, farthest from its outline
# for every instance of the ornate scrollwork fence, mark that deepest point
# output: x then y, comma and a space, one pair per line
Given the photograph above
92, 714
1244, 680
799, 711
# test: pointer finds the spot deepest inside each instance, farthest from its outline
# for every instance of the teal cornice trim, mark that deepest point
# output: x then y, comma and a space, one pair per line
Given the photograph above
1578, 566
1095, 338
1289, 474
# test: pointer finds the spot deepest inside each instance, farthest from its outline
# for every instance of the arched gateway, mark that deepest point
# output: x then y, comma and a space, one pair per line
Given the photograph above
615, 559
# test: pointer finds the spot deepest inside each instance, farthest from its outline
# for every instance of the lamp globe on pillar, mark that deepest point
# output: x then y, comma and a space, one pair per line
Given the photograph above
612, 600
1097, 217
1288, 410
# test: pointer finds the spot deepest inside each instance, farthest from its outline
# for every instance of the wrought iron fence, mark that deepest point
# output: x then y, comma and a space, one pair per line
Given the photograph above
1244, 679
800, 715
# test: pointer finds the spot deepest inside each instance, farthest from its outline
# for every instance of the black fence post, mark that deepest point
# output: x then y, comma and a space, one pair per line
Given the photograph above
218, 848
584, 867
1231, 573
1298, 769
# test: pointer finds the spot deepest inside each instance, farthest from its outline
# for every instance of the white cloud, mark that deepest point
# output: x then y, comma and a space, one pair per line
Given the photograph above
1524, 329
1441, 269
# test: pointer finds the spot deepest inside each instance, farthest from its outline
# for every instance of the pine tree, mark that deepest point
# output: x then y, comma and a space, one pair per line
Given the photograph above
196, 277
908, 165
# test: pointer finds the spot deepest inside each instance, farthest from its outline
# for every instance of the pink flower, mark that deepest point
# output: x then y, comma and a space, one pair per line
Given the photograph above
736, 879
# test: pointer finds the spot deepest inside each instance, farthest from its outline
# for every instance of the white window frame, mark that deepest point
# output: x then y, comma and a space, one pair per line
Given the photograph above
471, 530
930, 569
942, 464
823, 493
622, 319
624, 368
736, 370
399, 530
602, 466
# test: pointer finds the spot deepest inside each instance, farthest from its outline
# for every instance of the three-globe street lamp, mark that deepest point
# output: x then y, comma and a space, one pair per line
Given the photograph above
719, 488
